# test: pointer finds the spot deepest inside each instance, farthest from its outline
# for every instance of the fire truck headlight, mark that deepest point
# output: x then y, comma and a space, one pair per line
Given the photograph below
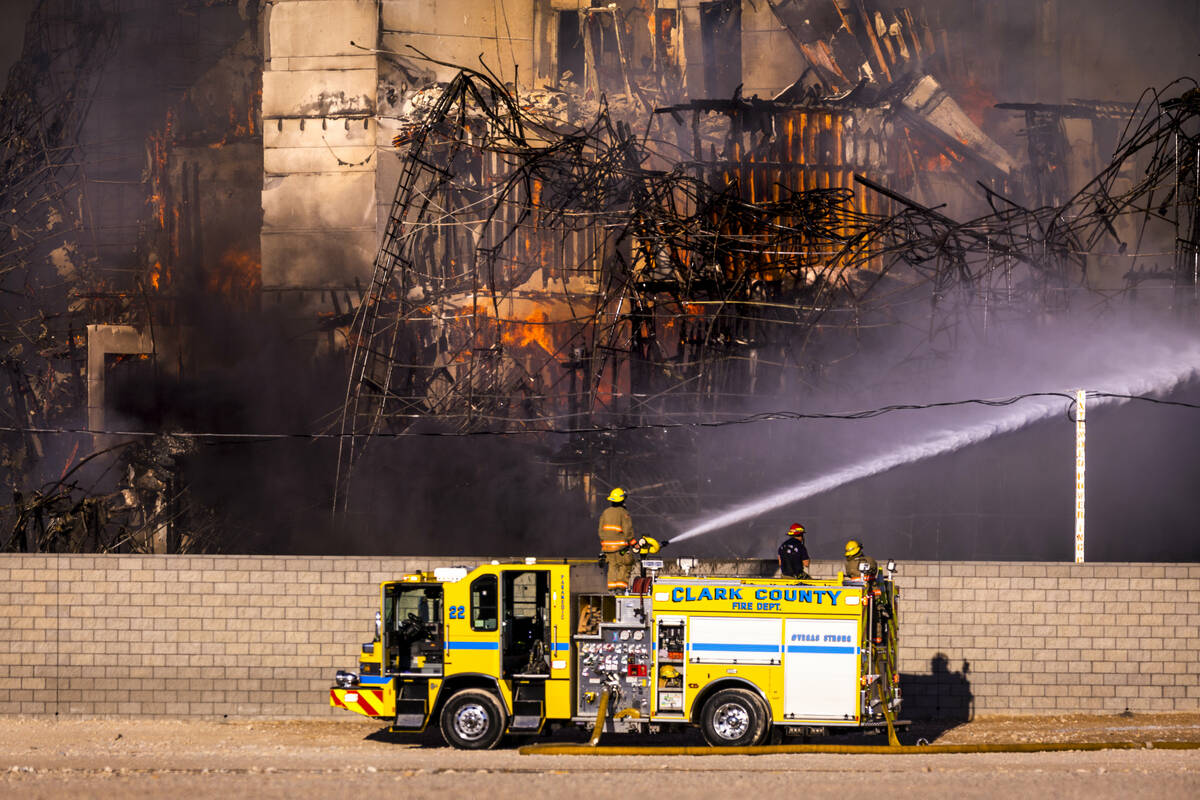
345, 680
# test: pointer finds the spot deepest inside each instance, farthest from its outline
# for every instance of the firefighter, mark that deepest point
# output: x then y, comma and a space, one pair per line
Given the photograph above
856, 556
793, 555
617, 541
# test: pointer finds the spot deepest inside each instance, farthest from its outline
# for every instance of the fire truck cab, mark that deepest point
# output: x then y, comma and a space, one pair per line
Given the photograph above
509, 648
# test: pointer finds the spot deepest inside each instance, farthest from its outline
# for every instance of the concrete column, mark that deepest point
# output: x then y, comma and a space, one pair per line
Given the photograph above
101, 341
319, 133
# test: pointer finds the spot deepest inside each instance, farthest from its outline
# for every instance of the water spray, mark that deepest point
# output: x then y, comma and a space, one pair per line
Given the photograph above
1157, 379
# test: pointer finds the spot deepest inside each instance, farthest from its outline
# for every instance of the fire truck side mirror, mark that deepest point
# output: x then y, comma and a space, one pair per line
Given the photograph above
378, 626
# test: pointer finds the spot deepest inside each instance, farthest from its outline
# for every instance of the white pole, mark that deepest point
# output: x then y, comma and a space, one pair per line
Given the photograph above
1080, 469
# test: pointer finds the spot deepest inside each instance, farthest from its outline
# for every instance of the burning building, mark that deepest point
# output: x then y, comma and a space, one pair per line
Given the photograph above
597, 226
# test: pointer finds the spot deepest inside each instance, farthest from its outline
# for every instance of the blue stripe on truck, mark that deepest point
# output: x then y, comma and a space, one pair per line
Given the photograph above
734, 648
472, 646
815, 648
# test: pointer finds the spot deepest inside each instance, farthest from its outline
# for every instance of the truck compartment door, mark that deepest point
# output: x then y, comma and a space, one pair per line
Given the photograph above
734, 640
820, 669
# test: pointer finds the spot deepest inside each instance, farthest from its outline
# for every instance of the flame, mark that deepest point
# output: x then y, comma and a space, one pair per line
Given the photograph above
238, 276
241, 122
158, 146
119, 358
156, 275
534, 330
974, 100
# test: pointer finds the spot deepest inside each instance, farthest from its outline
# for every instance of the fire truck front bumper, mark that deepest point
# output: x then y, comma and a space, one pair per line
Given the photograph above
370, 702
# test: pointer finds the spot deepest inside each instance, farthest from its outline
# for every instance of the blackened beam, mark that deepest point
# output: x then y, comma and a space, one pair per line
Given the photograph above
1081, 109
738, 104
992, 244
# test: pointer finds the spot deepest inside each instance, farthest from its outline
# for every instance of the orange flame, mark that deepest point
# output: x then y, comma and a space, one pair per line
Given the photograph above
534, 330
974, 100
238, 276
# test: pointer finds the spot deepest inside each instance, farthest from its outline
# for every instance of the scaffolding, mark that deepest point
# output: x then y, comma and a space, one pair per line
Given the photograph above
540, 277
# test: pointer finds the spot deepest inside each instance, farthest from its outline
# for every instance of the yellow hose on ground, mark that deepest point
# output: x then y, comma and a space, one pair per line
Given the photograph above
550, 749
601, 713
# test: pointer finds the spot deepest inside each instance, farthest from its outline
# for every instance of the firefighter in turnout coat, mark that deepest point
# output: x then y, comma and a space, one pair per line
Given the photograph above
617, 541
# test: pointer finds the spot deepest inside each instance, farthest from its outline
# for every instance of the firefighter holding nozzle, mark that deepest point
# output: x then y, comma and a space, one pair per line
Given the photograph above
793, 555
619, 546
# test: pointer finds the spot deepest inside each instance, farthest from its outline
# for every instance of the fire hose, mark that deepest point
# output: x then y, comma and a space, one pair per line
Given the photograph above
551, 749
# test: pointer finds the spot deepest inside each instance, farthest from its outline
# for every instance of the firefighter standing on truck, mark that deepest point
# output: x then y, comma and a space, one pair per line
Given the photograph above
617, 541
856, 556
793, 555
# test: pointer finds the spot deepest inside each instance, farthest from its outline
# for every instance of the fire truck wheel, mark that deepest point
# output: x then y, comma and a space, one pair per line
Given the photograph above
473, 720
733, 718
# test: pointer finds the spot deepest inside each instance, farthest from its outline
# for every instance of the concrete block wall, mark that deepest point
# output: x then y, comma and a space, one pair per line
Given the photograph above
242, 636
1002, 637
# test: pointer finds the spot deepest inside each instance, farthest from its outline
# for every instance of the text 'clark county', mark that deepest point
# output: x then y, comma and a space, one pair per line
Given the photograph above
685, 594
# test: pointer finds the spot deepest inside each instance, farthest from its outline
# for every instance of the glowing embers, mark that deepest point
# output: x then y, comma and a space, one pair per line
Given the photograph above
534, 330
241, 120
236, 277
530, 330
158, 146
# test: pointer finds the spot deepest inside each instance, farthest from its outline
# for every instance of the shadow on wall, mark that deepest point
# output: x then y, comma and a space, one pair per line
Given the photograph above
940, 696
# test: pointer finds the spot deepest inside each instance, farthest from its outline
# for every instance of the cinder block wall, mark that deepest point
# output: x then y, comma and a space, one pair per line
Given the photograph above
213, 636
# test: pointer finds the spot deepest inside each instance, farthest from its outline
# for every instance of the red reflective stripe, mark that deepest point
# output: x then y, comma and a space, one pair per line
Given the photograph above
333, 695
365, 704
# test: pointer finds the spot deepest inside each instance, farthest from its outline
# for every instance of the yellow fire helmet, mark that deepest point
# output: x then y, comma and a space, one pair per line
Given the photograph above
853, 548
646, 546
617, 495
668, 672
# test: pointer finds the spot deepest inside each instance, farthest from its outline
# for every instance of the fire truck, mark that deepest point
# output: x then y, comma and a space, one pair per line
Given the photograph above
512, 649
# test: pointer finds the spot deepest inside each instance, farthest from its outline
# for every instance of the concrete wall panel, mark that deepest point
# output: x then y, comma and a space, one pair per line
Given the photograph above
770, 59
317, 259
465, 50
321, 27
482, 18
324, 200
319, 93
337, 132
360, 61
278, 162
318, 146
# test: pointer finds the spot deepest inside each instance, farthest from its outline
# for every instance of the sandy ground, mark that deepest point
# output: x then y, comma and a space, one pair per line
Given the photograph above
155, 758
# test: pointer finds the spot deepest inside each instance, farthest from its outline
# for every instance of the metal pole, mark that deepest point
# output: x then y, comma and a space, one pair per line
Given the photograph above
1080, 469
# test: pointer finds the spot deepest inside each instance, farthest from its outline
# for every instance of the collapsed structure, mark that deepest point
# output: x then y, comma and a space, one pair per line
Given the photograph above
539, 273
624, 220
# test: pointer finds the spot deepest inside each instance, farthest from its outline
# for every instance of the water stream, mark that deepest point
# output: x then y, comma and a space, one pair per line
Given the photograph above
1155, 375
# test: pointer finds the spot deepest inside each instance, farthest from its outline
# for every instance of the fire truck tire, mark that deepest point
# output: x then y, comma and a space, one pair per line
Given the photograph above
472, 719
733, 718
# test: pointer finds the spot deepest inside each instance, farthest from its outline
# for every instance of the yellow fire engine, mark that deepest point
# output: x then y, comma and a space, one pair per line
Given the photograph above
509, 648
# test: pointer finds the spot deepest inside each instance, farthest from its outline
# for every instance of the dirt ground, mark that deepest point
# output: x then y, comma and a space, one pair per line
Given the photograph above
289, 759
